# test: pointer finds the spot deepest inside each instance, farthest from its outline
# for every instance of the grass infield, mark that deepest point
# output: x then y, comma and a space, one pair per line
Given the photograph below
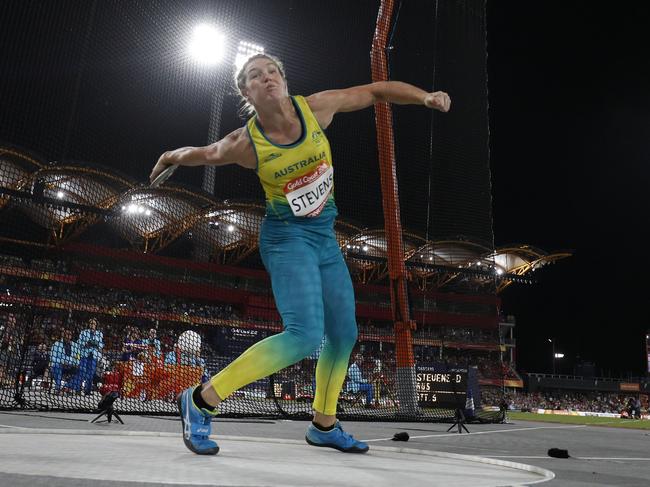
587, 420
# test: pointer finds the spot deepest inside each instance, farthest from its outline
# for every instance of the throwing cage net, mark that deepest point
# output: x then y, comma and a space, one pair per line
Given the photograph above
110, 285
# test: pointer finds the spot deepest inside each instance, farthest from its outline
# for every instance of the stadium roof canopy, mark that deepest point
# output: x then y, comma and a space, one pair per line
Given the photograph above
68, 198
229, 229
64, 198
151, 218
17, 166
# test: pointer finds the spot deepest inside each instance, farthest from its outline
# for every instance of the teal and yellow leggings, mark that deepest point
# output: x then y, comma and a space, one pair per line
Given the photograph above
314, 295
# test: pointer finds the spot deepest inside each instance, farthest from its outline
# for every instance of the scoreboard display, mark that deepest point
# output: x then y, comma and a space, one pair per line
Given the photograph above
234, 341
440, 386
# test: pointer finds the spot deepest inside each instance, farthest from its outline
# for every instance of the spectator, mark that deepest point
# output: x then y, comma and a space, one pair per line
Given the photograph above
103, 367
40, 362
8, 348
599, 402
357, 383
172, 357
637, 408
633, 409
187, 352
12, 339
153, 344
64, 358
132, 344
91, 343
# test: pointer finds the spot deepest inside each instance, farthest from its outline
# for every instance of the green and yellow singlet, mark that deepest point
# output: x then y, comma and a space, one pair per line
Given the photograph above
298, 178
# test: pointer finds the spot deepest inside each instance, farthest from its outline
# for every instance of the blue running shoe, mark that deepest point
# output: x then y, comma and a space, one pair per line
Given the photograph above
335, 438
196, 425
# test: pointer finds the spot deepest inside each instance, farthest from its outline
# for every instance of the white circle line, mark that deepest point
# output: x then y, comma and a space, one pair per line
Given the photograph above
639, 459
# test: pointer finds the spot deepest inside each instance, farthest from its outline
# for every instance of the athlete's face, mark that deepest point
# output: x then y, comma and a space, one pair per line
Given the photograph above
264, 82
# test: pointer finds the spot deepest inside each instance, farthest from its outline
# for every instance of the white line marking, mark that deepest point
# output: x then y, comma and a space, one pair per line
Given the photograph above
518, 456
615, 458
533, 457
480, 448
456, 435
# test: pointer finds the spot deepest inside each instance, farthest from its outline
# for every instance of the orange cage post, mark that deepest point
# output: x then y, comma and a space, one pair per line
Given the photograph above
397, 271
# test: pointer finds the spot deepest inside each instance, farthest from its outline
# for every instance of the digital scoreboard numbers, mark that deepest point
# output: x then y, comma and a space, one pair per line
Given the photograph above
441, 387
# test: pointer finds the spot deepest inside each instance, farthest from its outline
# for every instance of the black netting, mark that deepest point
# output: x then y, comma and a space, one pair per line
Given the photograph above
108, 284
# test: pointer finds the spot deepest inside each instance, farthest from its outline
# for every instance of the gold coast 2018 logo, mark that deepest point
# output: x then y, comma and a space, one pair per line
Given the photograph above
317, 137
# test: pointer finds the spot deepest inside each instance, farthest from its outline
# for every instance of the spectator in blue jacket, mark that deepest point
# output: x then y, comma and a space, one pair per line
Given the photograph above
357, 383
91, 343
64, 358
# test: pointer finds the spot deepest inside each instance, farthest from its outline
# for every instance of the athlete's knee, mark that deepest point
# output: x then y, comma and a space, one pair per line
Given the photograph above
350, 334
345, 336
307, 341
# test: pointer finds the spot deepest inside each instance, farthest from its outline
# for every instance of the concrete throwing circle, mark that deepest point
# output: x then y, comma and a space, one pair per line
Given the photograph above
242, 461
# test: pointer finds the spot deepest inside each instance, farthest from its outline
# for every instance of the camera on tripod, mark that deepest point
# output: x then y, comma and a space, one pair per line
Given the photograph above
105, 407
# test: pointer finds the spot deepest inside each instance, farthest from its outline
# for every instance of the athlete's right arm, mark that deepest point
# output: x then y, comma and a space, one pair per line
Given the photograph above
234, 148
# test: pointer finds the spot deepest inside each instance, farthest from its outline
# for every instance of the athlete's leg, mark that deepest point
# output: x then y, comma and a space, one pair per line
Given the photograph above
296, 283
295, 278
340, 337
340, 332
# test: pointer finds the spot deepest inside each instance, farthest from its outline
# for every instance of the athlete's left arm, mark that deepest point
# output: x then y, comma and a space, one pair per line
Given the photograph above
326, 104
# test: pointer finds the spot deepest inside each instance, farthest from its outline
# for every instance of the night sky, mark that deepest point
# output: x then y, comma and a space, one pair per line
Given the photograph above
569, 88
569, 98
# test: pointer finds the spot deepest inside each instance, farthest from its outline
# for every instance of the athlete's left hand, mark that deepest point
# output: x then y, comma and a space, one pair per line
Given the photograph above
438, 100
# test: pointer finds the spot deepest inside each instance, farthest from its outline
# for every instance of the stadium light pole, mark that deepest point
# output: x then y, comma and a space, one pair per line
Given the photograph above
557, 356
209, 47
552, 342
244, 50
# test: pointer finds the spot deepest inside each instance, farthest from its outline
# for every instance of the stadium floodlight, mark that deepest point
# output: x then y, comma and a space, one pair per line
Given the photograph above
244, 51
59, 194
559, 355
208, 45
499, 271
231, 228
135, 208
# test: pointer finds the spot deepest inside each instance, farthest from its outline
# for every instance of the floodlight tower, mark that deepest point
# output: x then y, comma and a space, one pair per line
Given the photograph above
209, 47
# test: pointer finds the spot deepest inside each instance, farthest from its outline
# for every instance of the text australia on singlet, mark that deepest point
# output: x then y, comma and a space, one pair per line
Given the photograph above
308, 192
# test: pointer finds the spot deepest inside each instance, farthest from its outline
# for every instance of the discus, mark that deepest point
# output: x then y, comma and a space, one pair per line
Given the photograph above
163, 176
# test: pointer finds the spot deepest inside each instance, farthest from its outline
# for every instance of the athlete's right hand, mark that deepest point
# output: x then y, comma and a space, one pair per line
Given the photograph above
438, 100
162, 164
